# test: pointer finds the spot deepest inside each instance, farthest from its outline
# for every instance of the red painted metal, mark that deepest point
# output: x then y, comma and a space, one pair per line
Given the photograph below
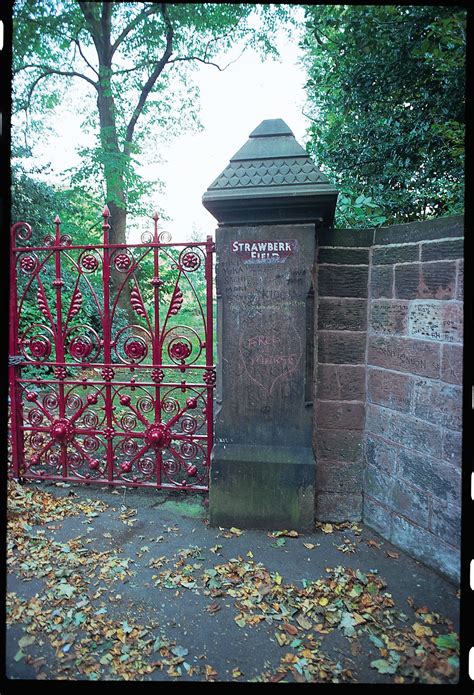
128, 396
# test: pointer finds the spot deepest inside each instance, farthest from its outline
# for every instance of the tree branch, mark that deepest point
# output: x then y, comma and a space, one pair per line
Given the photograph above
201, 60
52, 71
76, 41
151, 80
92, 23
129, 27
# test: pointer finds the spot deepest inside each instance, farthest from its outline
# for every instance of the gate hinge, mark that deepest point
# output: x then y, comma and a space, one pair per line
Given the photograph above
15, 359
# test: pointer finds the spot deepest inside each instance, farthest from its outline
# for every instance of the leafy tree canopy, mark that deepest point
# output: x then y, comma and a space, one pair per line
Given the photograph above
133, 57
386, 96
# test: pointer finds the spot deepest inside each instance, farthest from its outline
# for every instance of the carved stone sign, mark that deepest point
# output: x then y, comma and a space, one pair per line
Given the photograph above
269, 251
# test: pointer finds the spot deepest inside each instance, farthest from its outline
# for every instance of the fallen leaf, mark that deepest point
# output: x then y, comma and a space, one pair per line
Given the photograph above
421, 630
304, 622
384, 666
310, 546
236, 673
355, 648
373, 544
278, 534
395, 556
276, 677
290, 629
347, 624
213, 608
327, 528
237, 531
450, 641
377, 641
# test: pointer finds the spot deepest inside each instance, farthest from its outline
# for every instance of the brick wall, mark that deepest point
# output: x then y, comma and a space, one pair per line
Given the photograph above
389, 384
342, 276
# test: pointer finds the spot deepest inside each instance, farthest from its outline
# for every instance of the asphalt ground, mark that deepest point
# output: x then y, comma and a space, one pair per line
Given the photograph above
136, 585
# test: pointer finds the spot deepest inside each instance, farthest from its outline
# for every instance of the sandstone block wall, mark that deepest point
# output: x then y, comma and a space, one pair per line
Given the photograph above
342, 277
388, 394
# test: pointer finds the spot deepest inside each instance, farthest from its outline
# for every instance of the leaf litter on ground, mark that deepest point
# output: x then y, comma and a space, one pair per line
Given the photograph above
89, 643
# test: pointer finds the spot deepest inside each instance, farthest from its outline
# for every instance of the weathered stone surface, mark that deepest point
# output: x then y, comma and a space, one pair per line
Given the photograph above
452, 447
341, 347
263, 282
438, 478
407, 281
442, 250
262, 487
340, 415
425, 280
380, 454
338, 508
388, 317
436, 320
262, 327
438, 403
342, 314
345, 237
343, 256
396, 254
342, 281
390, 389
411, 502
378, 485
452, 364
339, 445
438, 280
405, 430
460, 281
377, 516
426, 547
341, 382
446, 522
440, 228
453, 322
405, 355
335, 476
381, 281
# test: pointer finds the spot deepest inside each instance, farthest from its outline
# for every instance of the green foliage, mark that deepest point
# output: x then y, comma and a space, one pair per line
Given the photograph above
136, 60
386, 94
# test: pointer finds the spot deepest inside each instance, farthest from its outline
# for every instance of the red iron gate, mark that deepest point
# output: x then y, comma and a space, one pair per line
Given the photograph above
107, 383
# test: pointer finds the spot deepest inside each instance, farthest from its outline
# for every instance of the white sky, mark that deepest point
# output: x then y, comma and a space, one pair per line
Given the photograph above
232, 104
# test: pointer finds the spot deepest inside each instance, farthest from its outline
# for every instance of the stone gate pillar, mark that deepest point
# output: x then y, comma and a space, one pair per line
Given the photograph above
267, 201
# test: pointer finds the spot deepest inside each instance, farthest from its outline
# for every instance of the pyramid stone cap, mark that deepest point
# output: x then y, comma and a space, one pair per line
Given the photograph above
271, 179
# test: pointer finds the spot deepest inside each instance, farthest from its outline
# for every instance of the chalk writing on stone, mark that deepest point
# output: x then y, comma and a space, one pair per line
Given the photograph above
270, 353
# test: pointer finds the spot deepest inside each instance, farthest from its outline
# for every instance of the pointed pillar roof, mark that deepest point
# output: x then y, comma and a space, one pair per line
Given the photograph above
271, 179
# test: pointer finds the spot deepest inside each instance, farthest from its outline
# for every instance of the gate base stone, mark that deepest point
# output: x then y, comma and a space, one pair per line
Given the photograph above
266, 487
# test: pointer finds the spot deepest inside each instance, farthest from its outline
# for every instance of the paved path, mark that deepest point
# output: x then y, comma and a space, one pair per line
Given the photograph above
139, 586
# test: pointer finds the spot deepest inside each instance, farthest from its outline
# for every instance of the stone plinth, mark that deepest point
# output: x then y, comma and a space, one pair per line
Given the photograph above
267, 201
